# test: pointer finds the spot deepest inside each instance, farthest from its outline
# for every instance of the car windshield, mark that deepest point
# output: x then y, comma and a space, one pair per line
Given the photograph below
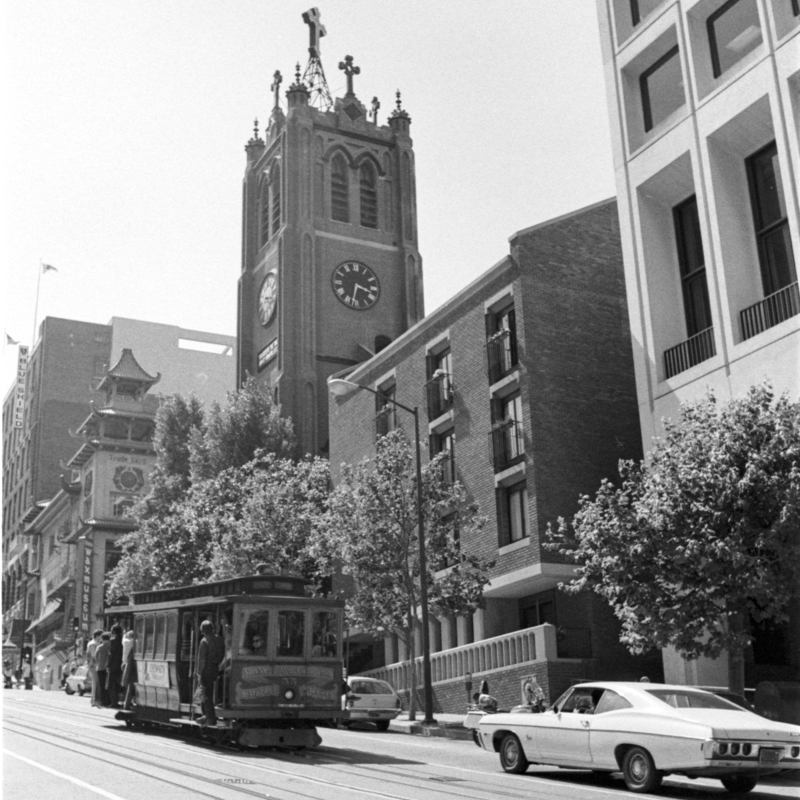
680, 699
364, 687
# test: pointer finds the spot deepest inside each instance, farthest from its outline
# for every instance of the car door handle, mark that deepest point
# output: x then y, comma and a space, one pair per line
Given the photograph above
585, 723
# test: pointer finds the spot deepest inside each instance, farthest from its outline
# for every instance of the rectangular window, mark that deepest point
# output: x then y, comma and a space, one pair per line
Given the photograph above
385, 410
440, 383
796, 8
253, 627
692, 266
325, 636
291, 633
538, 609
733, 31
661, 87
512, 513
445, 443
642, 8
771, 223
502, 343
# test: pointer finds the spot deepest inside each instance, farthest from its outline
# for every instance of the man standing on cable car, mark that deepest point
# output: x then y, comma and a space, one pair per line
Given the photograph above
210, 656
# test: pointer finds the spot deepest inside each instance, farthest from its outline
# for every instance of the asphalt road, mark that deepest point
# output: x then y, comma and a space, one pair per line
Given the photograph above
58, 747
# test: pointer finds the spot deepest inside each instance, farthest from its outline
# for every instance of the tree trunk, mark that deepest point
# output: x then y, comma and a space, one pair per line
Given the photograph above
736, 657
412, 660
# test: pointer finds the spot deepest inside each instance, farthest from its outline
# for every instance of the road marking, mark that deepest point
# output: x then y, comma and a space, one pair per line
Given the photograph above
76, 781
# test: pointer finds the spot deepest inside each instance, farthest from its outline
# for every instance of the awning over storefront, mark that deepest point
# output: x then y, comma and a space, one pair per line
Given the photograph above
48, 612
16, 634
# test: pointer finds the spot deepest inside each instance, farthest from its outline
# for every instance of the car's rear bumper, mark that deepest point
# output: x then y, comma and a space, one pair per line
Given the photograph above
373, 713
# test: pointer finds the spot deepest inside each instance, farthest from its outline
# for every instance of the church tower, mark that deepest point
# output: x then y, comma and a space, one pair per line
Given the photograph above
331, 272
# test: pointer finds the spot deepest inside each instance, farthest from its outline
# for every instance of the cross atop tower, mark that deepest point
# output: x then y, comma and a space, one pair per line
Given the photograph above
349, 70
316, 30
277, 79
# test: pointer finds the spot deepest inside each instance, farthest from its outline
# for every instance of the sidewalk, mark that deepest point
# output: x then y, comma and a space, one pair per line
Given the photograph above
450, 726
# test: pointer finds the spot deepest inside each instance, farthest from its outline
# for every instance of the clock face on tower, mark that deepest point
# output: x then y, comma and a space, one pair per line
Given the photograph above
268, 299
356, 285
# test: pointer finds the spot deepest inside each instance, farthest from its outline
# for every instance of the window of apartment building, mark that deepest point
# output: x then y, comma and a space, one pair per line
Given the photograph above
771, 223
440, 382
795, 7
508, 440
264, 209
512, 513
692, 266
537, 609
444, 442
642, 8
340, 190
733, 31
661, 89
385, 409
501, 343
368, 192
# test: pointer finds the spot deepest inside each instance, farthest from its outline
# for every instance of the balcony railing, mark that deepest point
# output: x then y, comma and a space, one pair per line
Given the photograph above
538, 644
695, 349
502, 354
507, 443
772, 310
439, 390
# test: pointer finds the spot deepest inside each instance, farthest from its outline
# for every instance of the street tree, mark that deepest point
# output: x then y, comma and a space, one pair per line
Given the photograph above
702, 539
372, 530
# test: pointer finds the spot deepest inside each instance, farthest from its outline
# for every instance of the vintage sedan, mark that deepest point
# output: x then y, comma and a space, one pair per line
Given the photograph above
645, 731
80, 681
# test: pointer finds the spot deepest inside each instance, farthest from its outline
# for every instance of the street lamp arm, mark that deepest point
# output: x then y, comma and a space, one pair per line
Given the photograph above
341, 388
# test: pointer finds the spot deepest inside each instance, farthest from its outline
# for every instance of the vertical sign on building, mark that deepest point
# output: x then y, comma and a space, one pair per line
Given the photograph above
19, 389
86, 588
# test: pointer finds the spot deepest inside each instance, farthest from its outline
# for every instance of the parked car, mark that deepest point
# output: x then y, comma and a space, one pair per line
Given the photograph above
646, 731
370, 700
80, 681
722, 691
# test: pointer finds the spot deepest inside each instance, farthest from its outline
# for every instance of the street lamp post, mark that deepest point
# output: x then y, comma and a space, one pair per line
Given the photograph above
341, 387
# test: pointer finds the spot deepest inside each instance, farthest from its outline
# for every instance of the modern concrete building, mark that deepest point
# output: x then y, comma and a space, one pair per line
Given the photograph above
525, 378
704, 101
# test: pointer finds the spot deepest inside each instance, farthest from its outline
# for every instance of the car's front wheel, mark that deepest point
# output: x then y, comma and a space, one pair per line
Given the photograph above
68, 690
739, 784
639, 771
512, 759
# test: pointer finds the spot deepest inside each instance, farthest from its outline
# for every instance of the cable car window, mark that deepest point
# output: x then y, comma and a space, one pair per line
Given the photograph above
161, 635
149, 635
324, 636
291, 633
172, 633
253, 631
138, 648
187, 636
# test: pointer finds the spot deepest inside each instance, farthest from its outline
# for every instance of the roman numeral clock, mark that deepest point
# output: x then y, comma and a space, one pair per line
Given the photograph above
356, 285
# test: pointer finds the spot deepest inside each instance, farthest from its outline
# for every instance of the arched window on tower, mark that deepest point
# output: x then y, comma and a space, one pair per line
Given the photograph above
275, 196
340, 190
368, 189
264, 212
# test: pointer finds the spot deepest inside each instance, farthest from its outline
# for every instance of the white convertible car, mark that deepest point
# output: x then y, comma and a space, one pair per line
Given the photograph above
646, 731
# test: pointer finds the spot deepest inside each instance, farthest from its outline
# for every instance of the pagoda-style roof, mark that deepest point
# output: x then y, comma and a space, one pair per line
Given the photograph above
128, 370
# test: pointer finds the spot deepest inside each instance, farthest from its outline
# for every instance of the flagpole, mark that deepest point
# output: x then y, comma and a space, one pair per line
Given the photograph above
36, 307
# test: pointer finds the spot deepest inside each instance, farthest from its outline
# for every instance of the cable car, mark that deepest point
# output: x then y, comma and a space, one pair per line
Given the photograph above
282, 672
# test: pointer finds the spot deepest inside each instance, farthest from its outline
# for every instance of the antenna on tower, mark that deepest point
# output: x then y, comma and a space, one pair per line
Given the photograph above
314, 76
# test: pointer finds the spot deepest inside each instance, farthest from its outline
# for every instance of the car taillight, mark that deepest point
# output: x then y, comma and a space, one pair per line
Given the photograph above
795, 752
348, 703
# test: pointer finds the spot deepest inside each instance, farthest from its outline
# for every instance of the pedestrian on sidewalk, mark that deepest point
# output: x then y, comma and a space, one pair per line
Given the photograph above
27, 673
102, 655
91, 663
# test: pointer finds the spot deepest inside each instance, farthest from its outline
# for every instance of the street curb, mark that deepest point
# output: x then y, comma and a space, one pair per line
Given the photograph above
445, 731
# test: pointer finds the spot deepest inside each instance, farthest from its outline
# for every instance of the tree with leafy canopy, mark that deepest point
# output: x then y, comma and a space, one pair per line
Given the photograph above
372, 529
706, 536
182, 516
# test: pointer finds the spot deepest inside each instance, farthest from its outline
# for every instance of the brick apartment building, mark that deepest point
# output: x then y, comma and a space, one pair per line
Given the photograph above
525, 377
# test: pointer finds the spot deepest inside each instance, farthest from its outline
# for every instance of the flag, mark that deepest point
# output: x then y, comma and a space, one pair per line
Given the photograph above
48, 267
9, 340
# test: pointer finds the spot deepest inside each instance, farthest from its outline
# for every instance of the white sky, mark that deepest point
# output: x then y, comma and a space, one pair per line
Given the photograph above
125, 123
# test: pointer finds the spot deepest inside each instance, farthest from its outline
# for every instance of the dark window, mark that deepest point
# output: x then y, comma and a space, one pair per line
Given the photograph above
693, 267
796, 8
445, 443
502, 343
772, 226
369, 197
385, 410
733, 31
340, 191
508, 441
275, 192
661, 87
512, 513
264, 203
641, 8
440, 383
538, 609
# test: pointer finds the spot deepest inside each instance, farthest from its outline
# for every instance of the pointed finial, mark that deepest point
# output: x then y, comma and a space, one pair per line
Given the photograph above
297, 73
255, 128
256, 140
399, 104
277, 79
